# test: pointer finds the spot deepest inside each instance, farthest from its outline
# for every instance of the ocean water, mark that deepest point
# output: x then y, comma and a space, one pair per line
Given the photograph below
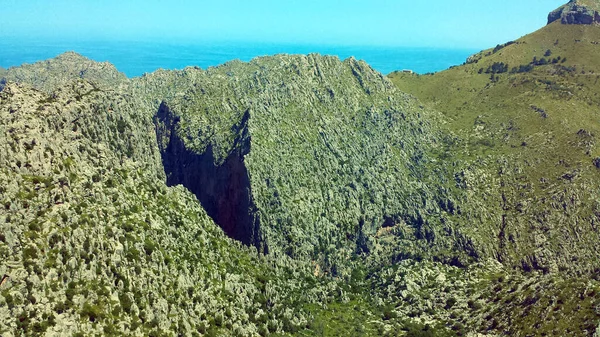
137, 58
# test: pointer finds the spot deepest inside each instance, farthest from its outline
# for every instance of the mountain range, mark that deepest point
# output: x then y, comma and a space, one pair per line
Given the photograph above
306, 195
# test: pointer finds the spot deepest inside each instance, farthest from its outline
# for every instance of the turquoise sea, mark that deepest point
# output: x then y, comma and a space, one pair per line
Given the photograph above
136, 58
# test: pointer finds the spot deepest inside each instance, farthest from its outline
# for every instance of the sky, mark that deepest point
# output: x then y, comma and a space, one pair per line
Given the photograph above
416, 23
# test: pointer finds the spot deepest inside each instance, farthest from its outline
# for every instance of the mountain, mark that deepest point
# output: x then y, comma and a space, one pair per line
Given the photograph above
311, 158
303, 195
527, 110
94, 242
303, 157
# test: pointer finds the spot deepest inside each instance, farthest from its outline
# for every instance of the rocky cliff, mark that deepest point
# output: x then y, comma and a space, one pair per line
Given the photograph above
577, 12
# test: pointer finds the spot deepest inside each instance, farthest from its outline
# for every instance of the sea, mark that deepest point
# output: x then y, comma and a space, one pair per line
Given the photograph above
135, 58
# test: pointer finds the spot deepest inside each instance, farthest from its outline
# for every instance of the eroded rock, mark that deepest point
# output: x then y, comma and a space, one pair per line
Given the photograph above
577, 12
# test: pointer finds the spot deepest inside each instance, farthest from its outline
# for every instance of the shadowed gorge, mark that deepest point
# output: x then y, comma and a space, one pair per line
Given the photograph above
223, 189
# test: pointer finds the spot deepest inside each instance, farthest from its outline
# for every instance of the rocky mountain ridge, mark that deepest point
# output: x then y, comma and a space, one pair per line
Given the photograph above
50, 74
222, 113
297, 191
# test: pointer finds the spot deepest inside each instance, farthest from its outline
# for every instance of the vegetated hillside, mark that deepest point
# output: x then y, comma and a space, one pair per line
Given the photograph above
527, 113
92, 241
300, 156
526, 117
48, 75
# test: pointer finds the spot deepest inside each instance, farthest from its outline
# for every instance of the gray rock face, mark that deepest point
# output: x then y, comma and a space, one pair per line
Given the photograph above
576, 12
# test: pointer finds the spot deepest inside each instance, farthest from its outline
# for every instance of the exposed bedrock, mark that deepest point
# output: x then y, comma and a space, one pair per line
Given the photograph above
223, 189
577, 12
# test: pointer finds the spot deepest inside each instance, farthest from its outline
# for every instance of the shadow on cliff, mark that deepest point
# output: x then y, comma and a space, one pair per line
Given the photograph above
223, 190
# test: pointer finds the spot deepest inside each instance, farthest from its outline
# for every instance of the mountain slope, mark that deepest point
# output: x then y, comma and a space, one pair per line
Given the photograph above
48, 75
525, 116
93, 242
329, 153
395, 225
526, 113
116, 219
93, 237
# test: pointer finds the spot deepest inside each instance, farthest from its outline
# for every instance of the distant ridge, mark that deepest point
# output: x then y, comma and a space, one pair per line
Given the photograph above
47, 75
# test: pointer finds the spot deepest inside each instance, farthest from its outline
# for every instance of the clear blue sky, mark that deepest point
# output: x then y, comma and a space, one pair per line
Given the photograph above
443, 23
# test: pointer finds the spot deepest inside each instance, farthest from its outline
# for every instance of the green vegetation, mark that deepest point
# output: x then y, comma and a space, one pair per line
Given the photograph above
530, 136
496, 68
380, 216
501, 46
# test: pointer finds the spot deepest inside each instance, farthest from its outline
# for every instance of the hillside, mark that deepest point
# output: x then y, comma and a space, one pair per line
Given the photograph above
319, 154
94, 242
303, 195
93, 237
528, 109
48, 75
525, 117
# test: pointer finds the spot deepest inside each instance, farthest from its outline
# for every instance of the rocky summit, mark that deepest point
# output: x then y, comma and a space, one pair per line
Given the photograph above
304, 195
577, 12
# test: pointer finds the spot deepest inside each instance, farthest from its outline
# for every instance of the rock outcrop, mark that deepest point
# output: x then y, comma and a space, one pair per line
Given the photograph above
577, 12
223, 189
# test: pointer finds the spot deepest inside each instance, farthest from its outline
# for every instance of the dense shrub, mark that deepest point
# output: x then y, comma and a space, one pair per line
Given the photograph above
497, 68
501, 46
